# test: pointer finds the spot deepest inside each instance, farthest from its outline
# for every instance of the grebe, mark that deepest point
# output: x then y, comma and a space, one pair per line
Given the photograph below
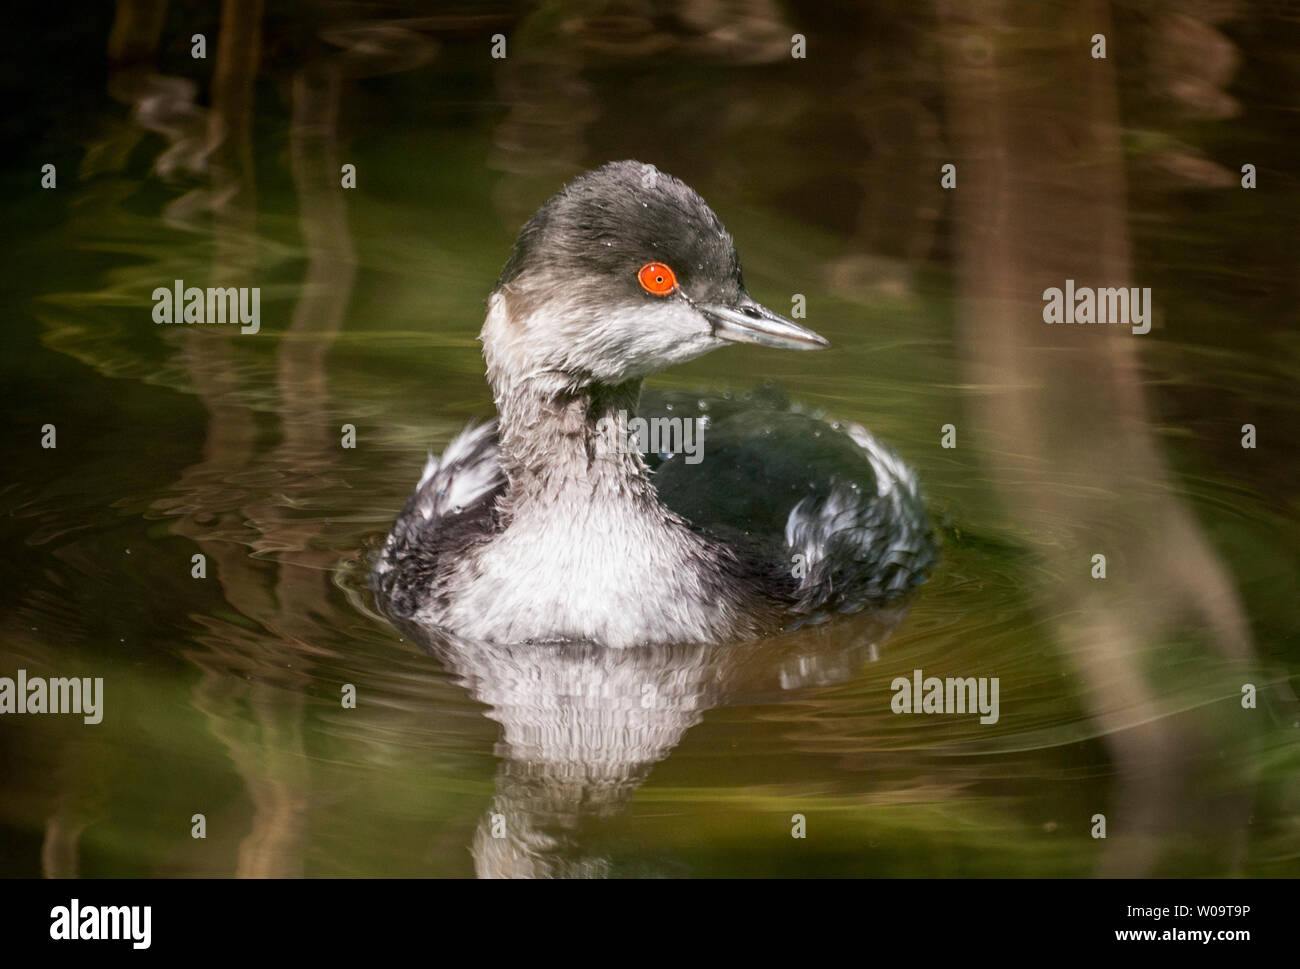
546, 525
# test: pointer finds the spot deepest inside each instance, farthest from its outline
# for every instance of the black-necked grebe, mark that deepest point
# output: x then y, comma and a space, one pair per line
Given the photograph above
546, 525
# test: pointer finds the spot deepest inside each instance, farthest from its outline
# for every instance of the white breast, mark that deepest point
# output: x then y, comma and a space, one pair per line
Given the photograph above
595, 570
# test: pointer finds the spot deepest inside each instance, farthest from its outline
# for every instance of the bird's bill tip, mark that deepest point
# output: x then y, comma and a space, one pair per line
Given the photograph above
751, 322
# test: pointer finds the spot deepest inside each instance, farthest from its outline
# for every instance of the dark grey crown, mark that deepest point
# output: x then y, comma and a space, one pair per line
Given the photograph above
611, 221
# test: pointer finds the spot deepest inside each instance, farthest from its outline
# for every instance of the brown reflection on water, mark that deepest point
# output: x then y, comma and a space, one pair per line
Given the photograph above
252, 687
1041, 199
271, 760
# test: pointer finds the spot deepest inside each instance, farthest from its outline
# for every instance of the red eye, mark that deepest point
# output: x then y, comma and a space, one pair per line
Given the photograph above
657, 279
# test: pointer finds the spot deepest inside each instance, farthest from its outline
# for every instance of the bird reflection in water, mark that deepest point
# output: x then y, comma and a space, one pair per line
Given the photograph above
583, 725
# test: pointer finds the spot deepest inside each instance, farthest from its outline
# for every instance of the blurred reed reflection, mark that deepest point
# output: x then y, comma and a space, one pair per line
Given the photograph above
1042, 200
258, 678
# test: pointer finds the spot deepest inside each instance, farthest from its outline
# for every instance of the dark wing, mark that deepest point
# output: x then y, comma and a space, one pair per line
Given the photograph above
834, 510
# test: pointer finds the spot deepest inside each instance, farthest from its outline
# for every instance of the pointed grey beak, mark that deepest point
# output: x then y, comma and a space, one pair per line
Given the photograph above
751, 322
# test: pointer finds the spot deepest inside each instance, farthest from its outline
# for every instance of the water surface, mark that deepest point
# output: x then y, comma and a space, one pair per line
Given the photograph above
1119, 697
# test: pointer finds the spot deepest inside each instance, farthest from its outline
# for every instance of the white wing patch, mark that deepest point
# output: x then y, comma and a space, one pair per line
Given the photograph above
468, 469
811, 525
